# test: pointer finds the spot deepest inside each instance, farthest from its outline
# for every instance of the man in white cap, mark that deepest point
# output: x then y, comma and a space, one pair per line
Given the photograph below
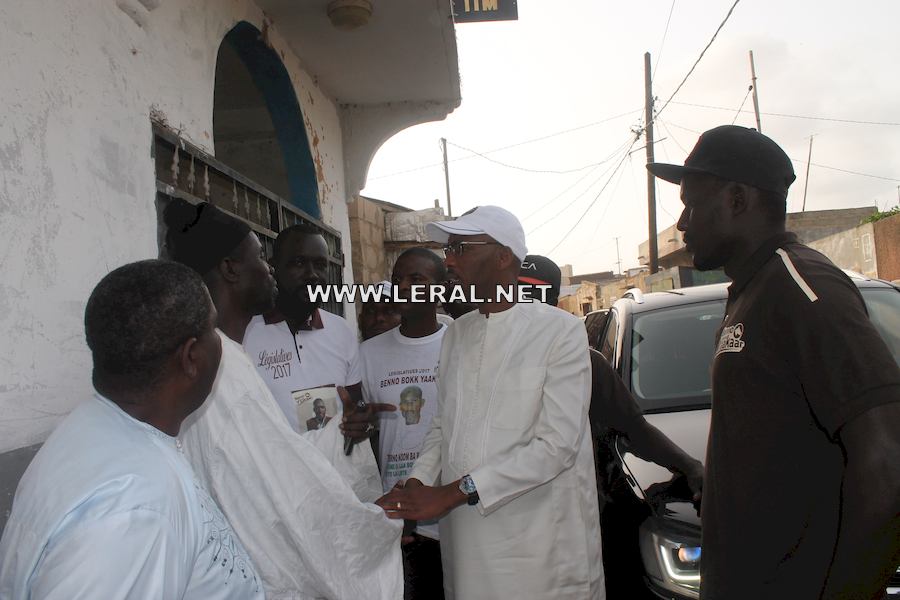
508, 462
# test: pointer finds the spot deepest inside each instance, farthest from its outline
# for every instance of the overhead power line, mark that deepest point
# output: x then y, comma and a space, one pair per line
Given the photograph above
663, 42
847, 171
840, 170
597, 197
577, 197
741, 107
807, 117
507, 147
526, 169
696, 62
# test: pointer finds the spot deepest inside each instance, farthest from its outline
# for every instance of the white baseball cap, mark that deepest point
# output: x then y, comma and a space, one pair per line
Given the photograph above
494, 221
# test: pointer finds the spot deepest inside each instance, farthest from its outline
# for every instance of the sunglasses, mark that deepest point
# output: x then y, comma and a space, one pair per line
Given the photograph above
457, 248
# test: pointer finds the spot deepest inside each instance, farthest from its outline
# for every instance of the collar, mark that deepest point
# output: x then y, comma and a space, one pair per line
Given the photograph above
314, 321
761, 256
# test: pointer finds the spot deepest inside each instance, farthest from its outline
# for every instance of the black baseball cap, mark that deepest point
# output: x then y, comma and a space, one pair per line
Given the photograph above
737, 154
540, 270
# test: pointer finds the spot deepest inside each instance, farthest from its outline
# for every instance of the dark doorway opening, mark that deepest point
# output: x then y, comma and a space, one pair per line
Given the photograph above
257, 122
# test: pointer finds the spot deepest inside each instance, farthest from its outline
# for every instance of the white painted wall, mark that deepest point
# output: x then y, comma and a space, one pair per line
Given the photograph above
77, 186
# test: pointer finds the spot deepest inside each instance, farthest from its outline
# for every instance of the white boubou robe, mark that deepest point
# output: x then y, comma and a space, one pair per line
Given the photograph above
301, 508
513, 394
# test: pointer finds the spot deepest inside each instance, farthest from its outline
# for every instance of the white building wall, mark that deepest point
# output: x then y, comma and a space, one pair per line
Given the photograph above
81, 79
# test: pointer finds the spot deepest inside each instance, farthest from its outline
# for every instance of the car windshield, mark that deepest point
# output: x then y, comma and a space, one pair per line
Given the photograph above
672, 349
671, 353
883, 305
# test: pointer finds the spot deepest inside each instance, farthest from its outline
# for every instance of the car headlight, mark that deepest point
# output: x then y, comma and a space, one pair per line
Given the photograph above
672, 562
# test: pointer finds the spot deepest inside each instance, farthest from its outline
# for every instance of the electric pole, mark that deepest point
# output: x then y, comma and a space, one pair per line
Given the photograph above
619, 258
755, 97
446, 176
651, 180
806, 183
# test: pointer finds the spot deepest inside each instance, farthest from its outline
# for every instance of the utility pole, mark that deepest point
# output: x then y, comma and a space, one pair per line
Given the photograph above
619, 258
806, 183
755, 97
446, 176
651, 180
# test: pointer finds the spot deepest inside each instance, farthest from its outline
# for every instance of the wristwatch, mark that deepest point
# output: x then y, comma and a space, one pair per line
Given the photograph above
467, 487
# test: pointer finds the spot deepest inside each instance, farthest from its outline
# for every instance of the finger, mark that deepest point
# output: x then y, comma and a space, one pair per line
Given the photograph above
377, 407
346, 400
407, 539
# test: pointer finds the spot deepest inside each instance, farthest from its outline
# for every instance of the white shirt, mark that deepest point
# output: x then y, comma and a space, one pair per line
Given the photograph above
393, 365
305, 521
109, 508
513, 395
312, 358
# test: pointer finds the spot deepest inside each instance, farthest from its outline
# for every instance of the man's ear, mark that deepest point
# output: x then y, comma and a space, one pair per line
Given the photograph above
188, 358
505, 259
738, 199
228, 269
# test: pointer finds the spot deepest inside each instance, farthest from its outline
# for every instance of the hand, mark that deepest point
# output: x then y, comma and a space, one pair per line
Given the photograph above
358, 423
420, 502
695, 481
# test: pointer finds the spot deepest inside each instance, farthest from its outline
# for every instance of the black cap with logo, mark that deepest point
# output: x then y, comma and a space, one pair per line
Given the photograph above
736, 154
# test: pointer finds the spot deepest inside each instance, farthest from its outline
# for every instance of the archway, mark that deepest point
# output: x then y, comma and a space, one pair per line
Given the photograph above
257, 122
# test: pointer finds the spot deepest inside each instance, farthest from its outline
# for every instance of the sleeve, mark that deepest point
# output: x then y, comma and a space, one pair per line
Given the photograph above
557, 434
354, 369
843, 366
132, 554
300, 521
612, 405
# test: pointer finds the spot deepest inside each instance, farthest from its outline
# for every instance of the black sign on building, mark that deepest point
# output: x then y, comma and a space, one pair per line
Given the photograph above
470, 11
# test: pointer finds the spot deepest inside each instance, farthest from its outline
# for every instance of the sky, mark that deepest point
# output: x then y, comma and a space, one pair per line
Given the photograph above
555, 95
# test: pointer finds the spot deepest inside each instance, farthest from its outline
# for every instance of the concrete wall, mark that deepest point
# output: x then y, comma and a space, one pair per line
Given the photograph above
852, 249
81, 79
586, 293
367, 234
809, 226
887, 247
814, 225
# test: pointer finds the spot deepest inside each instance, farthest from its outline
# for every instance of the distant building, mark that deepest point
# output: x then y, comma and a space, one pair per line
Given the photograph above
380, 231
872, 249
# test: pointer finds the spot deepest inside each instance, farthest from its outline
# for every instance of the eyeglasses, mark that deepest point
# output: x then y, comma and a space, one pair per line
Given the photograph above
457, 248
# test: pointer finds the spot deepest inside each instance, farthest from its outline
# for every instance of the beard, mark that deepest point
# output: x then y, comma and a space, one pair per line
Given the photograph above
296, 304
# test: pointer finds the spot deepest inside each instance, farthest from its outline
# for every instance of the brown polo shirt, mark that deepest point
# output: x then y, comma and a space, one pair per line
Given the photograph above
797, 358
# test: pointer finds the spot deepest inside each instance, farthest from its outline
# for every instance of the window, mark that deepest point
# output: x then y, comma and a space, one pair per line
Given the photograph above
608, 343
671, 353
184, 171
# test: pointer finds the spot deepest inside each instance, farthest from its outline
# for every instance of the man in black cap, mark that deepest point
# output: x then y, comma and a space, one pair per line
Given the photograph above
294, 500
613, 410
802, 478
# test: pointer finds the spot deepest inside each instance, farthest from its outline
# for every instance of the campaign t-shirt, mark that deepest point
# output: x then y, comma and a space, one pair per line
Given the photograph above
402, 371
299, 368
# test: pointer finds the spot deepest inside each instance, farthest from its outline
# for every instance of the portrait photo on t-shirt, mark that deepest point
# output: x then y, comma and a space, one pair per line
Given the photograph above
315, 407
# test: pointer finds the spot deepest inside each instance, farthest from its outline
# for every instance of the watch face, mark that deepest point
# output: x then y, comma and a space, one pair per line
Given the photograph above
467, 485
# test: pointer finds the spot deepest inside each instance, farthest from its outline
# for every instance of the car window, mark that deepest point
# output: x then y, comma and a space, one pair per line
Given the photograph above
608, 343
671, 353
884, 312
593, 322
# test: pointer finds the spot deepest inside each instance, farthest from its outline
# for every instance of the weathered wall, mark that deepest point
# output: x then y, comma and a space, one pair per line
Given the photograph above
887, 247
586, 294
367, 234
81, 79
852, 249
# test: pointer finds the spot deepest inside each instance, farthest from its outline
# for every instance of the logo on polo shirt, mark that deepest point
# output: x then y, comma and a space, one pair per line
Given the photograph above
730, 340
